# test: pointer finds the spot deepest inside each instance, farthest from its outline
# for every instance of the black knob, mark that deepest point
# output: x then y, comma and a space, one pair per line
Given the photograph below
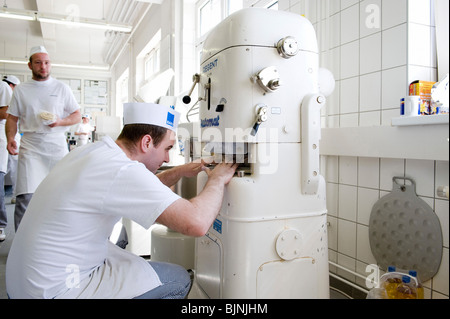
187, 99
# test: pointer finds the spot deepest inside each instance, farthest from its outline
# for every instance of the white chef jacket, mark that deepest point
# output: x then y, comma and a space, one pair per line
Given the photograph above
41, 146
5, 93
62, 250
84, 128
5, 99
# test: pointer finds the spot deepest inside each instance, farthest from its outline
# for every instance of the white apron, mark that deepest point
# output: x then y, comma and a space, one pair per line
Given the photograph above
39, 152
4, 155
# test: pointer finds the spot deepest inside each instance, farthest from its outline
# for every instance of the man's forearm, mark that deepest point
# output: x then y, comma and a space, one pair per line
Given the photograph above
3, 114
209, 201
11, 127
171, 176
72, 119
194, 217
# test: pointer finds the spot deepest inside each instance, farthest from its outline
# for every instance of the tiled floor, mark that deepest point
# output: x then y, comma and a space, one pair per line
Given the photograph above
5, 245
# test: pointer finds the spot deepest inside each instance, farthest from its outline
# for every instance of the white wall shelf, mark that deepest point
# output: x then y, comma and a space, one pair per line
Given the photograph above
412, 141
420, 120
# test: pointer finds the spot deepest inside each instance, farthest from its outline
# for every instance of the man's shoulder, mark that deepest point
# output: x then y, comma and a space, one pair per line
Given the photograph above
3, 84
4, 88
57, 82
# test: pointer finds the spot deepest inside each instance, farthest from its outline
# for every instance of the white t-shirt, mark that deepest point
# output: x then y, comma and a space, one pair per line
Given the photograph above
33, 97
5, 98
5, 93
62, 250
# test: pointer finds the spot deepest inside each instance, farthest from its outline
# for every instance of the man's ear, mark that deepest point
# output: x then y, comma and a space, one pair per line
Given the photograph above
146, 143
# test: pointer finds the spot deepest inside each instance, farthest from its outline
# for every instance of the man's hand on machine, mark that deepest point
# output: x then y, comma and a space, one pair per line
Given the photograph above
222, 171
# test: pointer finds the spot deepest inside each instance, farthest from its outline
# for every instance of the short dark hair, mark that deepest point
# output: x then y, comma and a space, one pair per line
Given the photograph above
132, 133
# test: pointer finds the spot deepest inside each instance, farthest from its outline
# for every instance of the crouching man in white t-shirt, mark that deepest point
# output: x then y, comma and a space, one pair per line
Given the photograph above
62, 250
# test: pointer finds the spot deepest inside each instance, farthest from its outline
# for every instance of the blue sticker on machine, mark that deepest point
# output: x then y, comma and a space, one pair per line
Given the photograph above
217, 225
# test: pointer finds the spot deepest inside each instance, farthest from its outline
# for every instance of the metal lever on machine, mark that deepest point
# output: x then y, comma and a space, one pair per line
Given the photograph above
261, 116
187, 98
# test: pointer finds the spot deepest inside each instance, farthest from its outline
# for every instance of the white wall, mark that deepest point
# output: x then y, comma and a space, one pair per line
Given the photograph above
373, 66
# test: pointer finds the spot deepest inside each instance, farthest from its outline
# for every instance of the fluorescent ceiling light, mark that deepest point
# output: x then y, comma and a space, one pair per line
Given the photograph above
81, 66
13, 61
151, 1
63, 65
63, 20
94, 24
17, 14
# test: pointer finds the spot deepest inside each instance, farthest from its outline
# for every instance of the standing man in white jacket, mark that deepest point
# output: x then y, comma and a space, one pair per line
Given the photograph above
44, 107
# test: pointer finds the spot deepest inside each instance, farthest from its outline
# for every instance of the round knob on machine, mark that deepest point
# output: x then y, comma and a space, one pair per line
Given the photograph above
287, 47
186, 99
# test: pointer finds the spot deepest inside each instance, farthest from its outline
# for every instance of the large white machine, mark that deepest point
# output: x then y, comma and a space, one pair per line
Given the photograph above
261, 91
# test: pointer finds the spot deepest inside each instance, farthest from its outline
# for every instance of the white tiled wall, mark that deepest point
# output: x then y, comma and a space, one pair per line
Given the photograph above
374, 48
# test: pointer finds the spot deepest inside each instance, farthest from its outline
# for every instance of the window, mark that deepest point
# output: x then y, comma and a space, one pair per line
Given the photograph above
122, 92
148, 61
441, 18
273, 5
268, 4
152, 63
234, 5
95, 92
210, 14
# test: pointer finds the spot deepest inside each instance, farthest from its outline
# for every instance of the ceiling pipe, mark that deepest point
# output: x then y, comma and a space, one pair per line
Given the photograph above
131, 8
130, 36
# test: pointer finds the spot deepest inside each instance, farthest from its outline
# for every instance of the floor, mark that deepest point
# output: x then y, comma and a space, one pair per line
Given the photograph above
5, 245
196, 293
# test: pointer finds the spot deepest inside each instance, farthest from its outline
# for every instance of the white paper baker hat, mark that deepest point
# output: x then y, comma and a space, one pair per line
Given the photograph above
150, 113
12, 79
38, 49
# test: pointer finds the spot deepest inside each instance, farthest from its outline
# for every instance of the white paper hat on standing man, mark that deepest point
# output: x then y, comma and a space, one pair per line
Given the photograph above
38, 49
150, 113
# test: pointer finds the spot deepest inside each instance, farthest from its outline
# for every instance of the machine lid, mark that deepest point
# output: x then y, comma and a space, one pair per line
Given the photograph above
262, 28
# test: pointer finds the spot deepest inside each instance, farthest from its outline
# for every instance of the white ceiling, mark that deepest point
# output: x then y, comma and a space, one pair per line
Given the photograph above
70, 45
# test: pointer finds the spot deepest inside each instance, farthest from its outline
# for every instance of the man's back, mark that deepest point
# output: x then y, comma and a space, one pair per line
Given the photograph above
71, 216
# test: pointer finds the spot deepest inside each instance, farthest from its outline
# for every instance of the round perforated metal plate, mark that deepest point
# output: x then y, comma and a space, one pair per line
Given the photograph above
405, 232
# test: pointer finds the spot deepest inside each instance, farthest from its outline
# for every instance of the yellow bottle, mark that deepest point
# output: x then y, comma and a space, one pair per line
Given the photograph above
391, 283
419, 288
406, 289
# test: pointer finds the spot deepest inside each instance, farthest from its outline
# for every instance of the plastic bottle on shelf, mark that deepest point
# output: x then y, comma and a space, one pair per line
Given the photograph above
419, 288
392, 282
406, 289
